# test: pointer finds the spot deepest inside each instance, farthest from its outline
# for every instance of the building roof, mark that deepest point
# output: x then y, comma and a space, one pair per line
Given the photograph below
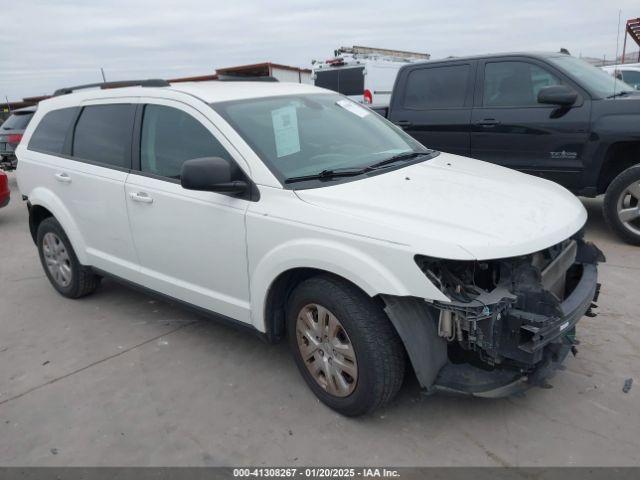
263, 69
212, 92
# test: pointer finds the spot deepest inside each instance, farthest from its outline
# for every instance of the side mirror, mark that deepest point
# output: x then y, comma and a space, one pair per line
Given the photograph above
557, 95
210, 174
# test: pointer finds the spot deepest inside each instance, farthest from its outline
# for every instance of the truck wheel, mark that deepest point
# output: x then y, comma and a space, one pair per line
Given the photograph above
622, 205
60, 263
344, 345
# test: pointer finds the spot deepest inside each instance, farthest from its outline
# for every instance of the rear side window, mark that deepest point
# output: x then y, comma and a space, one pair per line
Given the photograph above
347, 81
515, 84
52, 130
170, 137
103, 135
437, 87
17, 121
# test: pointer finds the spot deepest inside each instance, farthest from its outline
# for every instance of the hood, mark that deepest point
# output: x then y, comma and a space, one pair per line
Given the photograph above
482, 209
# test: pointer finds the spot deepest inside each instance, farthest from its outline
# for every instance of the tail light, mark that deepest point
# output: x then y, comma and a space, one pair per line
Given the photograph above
14, 138
368, 97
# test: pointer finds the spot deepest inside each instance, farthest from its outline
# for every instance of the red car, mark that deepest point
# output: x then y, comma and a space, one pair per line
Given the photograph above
4, 189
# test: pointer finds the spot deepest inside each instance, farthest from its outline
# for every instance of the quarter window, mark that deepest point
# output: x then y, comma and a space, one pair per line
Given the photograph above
515, 84
52, 130
170, 137
103, 135
437, 87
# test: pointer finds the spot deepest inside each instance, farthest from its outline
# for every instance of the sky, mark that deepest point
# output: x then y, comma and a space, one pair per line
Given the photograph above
48, 44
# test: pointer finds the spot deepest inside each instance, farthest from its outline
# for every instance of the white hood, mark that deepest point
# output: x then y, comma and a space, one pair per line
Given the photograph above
486, 210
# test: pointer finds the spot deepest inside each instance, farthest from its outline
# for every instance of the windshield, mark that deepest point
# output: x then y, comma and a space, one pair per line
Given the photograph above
308, 134
17, 121
592, 78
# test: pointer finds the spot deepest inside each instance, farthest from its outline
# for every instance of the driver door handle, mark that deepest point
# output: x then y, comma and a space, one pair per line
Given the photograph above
488, 123
141, 197
403, 123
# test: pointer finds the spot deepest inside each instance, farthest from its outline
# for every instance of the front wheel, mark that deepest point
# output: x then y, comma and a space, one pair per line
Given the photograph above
344, 345
622, 205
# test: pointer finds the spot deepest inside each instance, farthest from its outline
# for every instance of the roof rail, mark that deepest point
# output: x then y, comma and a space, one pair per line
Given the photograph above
153, 82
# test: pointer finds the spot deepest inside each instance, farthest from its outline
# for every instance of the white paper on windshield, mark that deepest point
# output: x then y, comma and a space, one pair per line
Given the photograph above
353, 108
285, 130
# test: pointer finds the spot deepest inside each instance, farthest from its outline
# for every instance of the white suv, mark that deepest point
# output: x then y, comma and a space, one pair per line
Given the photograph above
297, 213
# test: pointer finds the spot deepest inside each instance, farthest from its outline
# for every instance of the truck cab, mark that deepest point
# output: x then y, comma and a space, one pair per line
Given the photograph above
549, 115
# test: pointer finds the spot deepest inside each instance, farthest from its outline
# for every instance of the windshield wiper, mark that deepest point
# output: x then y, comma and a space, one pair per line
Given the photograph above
352, 172
397, 158
327, 174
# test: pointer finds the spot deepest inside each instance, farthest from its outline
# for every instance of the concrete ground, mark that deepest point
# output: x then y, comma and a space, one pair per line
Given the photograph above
118, 378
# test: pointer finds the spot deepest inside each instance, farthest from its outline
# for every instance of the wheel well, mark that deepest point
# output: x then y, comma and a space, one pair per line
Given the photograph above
281, 288
620, 156
37, 214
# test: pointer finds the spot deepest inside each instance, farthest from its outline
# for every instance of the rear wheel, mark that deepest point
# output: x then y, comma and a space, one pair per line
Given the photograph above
64, 271
622, 205
344, 345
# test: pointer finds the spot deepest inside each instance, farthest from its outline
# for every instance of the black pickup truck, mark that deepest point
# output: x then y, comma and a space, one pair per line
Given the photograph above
551, 115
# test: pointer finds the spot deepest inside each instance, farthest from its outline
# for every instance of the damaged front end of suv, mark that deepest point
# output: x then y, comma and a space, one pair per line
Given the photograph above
509, 323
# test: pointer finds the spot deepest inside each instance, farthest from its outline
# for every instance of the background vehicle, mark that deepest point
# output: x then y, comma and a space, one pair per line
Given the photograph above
295, 212
550, 115
364, 74
10, 135
4, 189
629, 73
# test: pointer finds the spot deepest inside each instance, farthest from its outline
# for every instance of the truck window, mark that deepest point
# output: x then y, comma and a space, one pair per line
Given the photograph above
347, 81
632, 77
514, 84
52, 130
437, 87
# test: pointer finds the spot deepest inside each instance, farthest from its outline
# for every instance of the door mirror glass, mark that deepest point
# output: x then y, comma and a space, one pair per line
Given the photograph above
210, 174
557, 95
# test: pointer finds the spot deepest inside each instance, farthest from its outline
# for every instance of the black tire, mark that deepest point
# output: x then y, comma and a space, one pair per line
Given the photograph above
83, 281
378, 349
610, 207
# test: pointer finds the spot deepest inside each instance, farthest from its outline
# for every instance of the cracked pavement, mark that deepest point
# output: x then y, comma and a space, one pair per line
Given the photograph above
119, 378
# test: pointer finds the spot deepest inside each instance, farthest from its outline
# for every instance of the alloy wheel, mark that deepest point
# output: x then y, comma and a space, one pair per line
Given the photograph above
628, 207
326, 350
57, 259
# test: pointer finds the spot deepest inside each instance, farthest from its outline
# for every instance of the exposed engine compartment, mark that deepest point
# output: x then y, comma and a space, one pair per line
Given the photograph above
513, 312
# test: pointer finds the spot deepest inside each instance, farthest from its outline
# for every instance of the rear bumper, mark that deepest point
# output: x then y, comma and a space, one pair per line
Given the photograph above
549, 345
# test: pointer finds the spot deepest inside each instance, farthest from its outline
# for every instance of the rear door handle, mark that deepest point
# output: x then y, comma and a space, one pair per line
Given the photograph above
62, 177
141, 197
403, 123
488, 123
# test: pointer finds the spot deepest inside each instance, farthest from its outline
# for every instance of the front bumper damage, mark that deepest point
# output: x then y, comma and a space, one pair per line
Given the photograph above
510, 323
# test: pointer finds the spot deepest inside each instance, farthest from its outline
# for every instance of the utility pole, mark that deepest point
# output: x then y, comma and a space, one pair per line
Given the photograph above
104, 79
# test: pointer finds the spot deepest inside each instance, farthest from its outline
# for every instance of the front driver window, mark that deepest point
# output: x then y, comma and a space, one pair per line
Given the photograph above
170, 137
514, 84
